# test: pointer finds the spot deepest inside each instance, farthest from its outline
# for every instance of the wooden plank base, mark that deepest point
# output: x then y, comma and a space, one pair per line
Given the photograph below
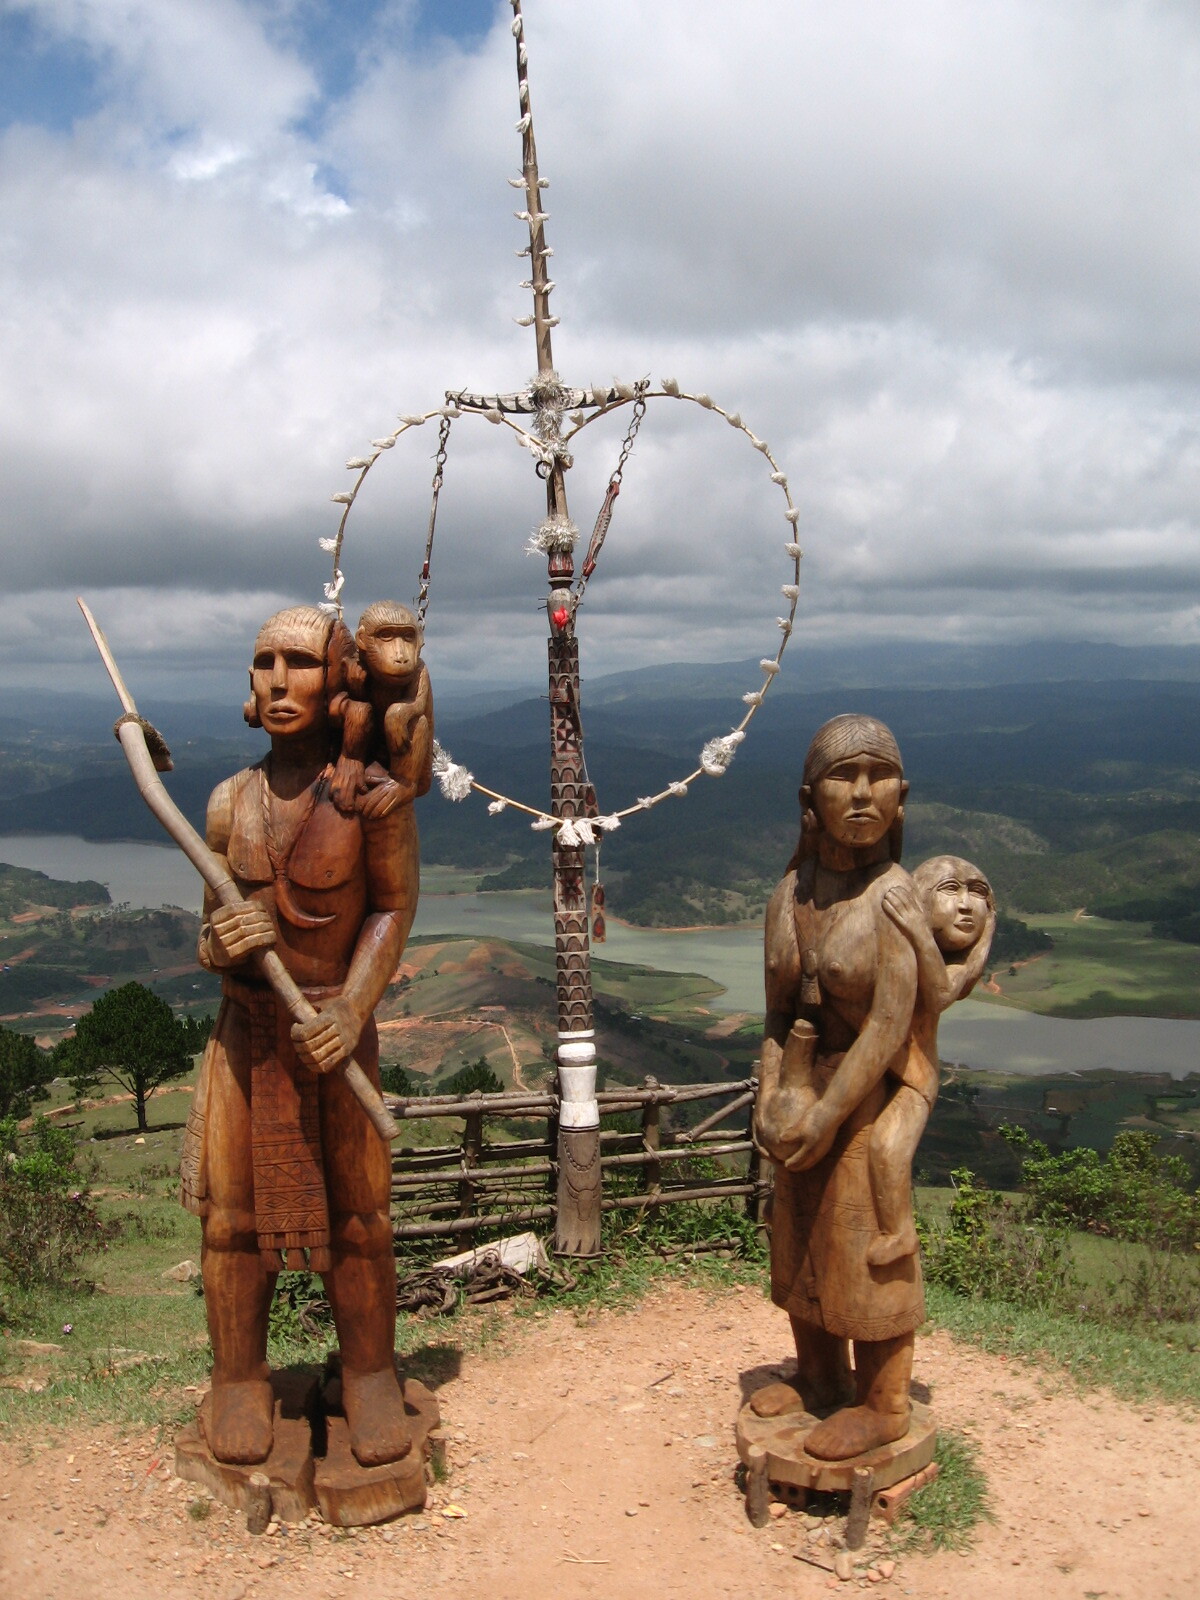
346, 1494
791, 1467
351, 1496
289, 1467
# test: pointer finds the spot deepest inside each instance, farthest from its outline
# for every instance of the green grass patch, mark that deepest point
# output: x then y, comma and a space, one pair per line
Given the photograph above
1102, 969
945, 1513
1135, 1366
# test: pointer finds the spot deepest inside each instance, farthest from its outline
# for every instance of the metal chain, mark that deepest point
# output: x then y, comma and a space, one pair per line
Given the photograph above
439, 467
614, 488
635, 422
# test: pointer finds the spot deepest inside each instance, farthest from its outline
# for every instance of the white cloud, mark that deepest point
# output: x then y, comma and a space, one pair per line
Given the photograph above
941, 256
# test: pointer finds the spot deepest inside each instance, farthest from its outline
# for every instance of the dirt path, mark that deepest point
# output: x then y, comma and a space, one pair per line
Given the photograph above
596, 1461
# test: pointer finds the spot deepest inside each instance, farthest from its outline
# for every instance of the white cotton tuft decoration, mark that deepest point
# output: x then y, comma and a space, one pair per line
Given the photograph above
523, 322
705, 400
608, 824
523, 125
333, 590
496, 807
540, 824
624, 391
679, 789
575, 831
734, 419
645, 801
493, 415
779, 477
754, 698
455, 781
785, 626
792, 514
411, 419
329, 609
793, 550
718, 753
790, 591
553, 536
346, 498
383, 444
328, 545
769, 667
357, 463
670, 386
761, 444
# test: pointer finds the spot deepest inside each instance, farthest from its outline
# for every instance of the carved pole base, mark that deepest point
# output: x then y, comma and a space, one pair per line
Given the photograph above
577, 1228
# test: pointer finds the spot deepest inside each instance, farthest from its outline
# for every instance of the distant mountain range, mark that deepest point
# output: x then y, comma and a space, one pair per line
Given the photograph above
1069, 772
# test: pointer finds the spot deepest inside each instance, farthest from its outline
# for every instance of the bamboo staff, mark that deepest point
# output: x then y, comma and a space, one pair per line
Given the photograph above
147, 756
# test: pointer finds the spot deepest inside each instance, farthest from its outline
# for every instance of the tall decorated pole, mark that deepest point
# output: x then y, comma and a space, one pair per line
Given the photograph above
537, 416
577, 1230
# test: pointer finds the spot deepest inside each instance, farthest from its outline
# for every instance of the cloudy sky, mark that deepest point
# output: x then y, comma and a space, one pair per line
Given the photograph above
945, 258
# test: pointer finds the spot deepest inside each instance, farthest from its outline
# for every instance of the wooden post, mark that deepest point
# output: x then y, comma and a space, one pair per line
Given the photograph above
860, 1508
651, 1138
258, 1509
472, 1146
758, 1489
755, 1199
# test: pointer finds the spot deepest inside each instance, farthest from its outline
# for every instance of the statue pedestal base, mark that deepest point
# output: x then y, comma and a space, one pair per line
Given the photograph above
308, 1420
351, 1496
790, 1468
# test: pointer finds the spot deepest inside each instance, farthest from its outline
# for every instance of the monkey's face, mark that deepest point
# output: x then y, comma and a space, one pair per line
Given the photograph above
392, 651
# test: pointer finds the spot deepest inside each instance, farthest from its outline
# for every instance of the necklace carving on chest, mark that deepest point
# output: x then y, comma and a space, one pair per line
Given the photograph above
282, 835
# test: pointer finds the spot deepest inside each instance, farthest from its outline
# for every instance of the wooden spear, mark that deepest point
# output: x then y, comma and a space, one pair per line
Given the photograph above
147, 755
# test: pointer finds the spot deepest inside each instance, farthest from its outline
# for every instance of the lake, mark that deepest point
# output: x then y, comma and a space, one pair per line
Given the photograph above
985, 1036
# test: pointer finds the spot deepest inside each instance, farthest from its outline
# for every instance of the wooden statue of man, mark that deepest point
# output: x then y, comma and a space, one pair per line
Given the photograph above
280, 1161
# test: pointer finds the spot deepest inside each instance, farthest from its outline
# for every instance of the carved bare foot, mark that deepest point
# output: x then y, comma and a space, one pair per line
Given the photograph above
775, 1399
374, 1406
239, 1421
854, 1431
889, 1247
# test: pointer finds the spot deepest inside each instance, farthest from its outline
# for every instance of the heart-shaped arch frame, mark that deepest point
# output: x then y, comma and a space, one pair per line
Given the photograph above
714, 759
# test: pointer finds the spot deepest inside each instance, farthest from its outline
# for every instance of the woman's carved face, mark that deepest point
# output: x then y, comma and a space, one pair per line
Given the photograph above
958, 909
288, 680
858, 799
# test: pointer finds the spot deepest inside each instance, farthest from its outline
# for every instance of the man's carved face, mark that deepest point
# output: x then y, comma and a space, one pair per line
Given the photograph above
288, 679
391, 650
858, 799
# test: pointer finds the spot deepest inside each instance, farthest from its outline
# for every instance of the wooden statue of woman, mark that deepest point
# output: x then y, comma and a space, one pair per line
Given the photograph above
841, 981
280, 1161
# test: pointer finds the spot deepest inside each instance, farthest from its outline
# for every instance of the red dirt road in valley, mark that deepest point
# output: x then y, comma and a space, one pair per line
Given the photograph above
596, 1460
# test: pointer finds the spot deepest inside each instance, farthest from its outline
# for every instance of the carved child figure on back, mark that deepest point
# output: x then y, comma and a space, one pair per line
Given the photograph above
280, 1161
855, 980
386, 715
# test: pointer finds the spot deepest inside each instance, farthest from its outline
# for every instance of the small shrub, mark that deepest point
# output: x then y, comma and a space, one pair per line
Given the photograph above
988, 1250
1131, 1193
48, 1223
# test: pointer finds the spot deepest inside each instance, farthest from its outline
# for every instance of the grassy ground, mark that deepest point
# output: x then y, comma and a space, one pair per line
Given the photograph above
1101, 969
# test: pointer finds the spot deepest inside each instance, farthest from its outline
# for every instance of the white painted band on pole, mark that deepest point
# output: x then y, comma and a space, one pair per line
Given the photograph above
577, 1088
580, 1035
581, 1054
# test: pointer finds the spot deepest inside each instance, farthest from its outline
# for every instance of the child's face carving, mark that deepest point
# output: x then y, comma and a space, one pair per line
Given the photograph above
958, 911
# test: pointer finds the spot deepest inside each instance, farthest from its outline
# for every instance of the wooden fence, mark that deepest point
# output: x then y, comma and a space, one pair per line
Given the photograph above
510, 1182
